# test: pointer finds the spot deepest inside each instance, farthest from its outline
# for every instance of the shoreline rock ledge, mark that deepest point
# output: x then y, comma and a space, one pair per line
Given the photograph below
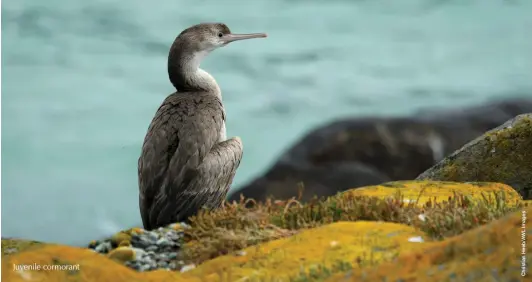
396, 231
362, 151
503, 155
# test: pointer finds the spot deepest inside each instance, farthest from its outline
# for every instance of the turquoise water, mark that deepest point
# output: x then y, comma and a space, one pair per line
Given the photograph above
82, 80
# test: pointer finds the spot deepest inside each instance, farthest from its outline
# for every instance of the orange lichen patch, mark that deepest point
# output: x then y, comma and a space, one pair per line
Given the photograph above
489, 253
136, 230
74, 264
177, 227
360, 243
132, 231
423, 192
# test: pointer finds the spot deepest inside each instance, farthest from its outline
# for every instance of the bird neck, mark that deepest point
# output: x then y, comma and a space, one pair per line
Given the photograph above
186, 75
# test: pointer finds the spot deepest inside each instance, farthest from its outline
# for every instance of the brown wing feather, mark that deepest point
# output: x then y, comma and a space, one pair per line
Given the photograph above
206, 187
184, 129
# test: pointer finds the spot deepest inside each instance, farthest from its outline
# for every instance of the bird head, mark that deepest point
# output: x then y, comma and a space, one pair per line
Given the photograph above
206, 37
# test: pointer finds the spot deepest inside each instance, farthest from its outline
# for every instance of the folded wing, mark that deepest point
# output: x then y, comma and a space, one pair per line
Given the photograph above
182, 133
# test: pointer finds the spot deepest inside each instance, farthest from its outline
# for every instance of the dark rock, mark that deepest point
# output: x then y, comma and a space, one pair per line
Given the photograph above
283, 181
366, 151
502, 155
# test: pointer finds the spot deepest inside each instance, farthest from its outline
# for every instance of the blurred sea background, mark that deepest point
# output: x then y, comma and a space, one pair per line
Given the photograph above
81, 81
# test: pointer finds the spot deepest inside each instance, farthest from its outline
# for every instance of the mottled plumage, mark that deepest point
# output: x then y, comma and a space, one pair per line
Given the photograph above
186, 163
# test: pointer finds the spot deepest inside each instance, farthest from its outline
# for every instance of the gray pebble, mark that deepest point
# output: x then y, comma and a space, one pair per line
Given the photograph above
155, 249
140, 242
153, 236
104, 247
163, 242
152, 248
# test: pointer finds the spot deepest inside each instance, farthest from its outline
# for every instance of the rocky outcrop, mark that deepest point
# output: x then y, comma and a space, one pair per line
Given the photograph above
144, 250
285, 180
487, 253
503, 154
358, 248
367, 151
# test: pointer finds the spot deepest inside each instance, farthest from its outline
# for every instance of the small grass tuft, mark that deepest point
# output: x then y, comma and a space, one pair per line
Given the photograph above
321, 272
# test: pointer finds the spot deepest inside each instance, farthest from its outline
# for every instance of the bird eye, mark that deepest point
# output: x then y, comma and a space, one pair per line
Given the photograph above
220, 34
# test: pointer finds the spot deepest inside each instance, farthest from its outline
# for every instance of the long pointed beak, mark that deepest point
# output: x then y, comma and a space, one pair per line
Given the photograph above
234, 37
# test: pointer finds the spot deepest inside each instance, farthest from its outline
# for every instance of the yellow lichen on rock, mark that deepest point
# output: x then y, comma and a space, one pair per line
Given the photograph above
493, 252
125, 244
122, 254
118, 238
348, 243
421, 192
360, 243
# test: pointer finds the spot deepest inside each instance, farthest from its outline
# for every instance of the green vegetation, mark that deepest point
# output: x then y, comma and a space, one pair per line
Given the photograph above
247, 223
